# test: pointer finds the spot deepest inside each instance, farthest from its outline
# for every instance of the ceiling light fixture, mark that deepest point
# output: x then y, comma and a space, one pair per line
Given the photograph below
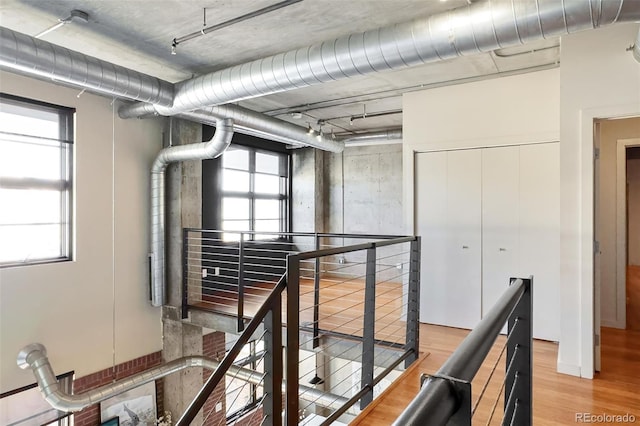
75, 14
207, 30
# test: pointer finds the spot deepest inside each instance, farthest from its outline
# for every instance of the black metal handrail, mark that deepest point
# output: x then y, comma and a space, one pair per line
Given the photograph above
271, 305
446, 395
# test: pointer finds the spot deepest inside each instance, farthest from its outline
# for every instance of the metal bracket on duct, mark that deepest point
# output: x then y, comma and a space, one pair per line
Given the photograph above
197, 151
34, 356
479, 27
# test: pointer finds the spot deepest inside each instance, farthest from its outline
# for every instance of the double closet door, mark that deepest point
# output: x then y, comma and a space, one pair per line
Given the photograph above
486, 215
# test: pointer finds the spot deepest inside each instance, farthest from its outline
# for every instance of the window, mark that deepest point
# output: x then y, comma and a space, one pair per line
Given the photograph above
242, 397
36, 149
254, 190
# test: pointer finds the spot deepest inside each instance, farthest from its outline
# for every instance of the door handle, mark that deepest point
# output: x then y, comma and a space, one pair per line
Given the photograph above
502, 249
465, 247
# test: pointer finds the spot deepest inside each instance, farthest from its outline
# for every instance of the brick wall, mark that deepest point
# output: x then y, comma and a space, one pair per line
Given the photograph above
213, 346
90, 416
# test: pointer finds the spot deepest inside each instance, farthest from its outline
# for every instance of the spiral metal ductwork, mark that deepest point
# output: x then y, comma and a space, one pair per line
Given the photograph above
197, 151
479, 27
636, 47
34, 356
26, 55
35, 57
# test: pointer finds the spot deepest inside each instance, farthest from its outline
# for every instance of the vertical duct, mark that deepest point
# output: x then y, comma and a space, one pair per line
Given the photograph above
198, 151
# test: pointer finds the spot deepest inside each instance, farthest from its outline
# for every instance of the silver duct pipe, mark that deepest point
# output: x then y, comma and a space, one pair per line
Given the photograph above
34, 356
260, 125
372, 138
197, 151
37, 58
479, 27
27, 55
245, 121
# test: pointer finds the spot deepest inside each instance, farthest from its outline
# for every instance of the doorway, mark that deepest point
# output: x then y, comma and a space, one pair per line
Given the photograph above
617, 229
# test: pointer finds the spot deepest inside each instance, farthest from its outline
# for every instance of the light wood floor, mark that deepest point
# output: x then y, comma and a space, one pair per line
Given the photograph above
557, 397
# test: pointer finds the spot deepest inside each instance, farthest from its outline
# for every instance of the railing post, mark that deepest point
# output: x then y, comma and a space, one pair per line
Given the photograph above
368, 333
518, 380
412, 340
316, 297
185, 273
293, 339
272, 408
241, 283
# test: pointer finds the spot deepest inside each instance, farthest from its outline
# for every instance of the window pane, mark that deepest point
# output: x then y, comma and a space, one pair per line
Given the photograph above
267, 209
24, 243
28, 206
235, 225
267, 184
29, 121
235, 158
268, 225
30, 159
235, 208
267, 163
235, 181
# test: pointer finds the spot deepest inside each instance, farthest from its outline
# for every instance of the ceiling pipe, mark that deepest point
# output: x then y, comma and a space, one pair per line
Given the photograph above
34, 356
37, 58
197, 151
27, 55
378, 137
479, 27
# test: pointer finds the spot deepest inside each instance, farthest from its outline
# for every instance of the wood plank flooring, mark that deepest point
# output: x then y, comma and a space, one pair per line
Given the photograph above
557, 397
341, 306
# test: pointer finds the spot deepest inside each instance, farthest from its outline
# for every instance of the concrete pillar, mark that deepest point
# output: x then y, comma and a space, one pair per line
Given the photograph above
183, 209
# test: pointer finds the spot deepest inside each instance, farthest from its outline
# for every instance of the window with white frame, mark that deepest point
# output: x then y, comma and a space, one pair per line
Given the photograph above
254, 190
36, 164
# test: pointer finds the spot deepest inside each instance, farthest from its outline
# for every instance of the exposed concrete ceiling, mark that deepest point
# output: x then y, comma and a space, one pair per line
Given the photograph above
138, 34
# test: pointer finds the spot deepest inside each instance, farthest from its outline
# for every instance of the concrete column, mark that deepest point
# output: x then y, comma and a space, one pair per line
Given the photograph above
183, 209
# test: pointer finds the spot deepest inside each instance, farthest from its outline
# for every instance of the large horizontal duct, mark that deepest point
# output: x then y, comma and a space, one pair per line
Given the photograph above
28, 55
479, 27
248, 122
196, 151
34, 356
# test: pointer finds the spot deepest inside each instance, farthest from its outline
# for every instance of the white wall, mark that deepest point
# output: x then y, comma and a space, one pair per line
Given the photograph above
511, 110
633, 178
610, 132
70, 307
599, 79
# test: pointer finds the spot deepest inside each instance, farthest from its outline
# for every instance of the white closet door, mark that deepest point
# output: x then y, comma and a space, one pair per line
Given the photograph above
500, 221
431, 225
464, 245
540, 233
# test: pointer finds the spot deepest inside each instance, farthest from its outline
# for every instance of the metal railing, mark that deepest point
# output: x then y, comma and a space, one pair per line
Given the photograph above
445, 397
270, 313
351, 311
357, 319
